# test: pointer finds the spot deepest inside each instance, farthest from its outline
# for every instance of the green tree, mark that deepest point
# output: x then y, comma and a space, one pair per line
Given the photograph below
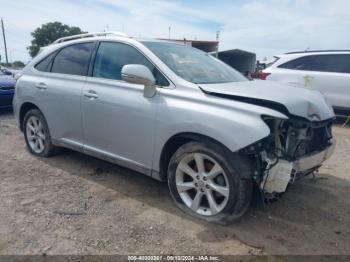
48, 33
18, 64
5, 64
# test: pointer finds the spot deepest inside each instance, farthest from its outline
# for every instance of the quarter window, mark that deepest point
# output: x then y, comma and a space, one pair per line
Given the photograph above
111, 57
73, 60
338, 63
45, 64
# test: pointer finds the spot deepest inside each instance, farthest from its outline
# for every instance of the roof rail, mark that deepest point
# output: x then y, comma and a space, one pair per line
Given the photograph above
73, 37
316, 51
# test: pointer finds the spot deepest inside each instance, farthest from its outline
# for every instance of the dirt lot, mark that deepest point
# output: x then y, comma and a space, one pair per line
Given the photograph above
75, 204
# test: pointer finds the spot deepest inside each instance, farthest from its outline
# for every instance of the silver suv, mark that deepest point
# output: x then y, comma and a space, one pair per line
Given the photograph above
176, 114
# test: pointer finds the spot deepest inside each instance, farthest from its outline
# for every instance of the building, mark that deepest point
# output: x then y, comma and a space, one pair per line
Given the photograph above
206, 46
243, 61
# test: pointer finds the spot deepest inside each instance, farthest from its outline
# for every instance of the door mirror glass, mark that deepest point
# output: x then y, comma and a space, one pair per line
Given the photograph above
140, 74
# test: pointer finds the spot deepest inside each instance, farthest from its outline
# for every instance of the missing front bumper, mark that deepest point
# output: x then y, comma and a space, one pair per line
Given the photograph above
281, 173
308, 162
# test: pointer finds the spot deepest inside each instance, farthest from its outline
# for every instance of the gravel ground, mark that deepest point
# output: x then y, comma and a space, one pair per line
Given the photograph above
75, 204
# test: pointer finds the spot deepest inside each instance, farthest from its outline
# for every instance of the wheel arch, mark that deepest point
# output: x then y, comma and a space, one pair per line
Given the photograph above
25, 107
175, 142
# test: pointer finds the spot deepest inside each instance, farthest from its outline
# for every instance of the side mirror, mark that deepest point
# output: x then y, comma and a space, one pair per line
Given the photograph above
140, 74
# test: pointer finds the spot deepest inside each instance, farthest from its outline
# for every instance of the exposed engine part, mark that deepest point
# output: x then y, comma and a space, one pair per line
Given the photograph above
292, 150
277, 176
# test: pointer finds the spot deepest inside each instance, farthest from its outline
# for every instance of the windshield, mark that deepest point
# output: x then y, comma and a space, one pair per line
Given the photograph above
194, 65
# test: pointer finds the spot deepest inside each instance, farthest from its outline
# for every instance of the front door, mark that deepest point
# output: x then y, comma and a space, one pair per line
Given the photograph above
118, 121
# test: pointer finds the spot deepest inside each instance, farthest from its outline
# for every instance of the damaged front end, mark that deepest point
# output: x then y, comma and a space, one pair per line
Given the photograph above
294, 148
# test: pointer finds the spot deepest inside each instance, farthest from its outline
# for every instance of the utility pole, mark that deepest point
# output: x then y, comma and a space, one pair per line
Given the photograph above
3, 35
217, 45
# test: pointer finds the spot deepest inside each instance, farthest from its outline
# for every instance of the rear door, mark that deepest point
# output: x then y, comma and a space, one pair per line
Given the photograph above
327, 73
292, 72
59, 89
330, 74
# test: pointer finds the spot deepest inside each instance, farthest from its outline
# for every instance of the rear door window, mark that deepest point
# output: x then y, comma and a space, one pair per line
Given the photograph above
111, 57
73, 59
337, 63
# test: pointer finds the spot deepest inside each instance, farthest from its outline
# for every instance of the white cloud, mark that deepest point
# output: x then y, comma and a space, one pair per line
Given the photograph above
265, 27
272, 26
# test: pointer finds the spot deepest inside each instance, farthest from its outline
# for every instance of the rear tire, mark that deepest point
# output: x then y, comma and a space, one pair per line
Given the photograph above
218, 190
37, 134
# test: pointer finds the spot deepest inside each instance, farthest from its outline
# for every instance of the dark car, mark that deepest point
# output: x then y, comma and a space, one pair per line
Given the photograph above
7, 89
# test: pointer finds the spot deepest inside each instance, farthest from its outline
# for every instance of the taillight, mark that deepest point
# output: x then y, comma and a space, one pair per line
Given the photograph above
263, 75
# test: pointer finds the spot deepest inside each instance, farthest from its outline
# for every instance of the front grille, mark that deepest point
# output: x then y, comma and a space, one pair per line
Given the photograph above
5, 102
7, 87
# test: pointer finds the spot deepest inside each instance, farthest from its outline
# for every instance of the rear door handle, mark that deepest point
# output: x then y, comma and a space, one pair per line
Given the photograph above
91, 94
41, 86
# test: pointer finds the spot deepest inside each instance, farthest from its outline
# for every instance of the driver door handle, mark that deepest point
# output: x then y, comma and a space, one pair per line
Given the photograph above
91, 94
41, 86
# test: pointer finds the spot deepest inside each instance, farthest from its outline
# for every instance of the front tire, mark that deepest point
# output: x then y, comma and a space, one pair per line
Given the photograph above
37, 134
209, 182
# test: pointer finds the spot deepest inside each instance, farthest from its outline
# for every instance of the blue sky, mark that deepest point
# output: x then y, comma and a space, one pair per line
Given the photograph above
266, 27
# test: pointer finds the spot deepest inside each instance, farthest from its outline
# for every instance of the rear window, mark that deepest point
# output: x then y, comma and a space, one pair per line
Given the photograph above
73, 60
273, 61
337, 63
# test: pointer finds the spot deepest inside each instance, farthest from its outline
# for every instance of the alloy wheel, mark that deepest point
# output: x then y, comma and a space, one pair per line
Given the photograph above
35, 134
202, 184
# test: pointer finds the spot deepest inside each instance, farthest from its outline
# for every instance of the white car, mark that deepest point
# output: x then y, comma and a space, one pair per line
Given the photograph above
325, 71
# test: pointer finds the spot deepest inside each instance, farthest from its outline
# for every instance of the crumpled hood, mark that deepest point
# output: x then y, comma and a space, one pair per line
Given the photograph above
287, 99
